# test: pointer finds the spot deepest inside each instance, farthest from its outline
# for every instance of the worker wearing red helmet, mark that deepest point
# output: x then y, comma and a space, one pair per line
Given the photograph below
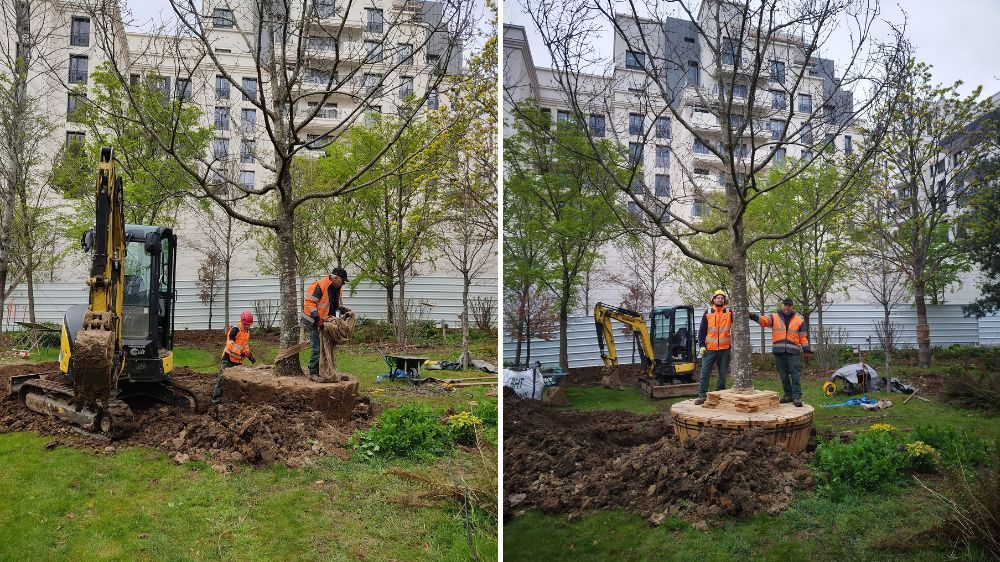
237, 348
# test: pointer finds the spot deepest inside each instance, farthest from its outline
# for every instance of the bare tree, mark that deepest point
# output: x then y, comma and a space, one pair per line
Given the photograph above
739, 127
210, 274
305, 57
645, 269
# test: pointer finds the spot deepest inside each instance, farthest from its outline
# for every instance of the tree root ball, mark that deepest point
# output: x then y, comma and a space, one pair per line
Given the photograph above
259, 385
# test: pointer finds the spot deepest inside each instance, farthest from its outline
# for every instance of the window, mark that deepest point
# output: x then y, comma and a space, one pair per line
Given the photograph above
373, 51
805, 103
248, 178
433, 60
693, 73
79, 32
779, 156
248, 119
776, 126
689, 39
78, 69
250, 85
317, 142
246, 151
848, 144
134, 79
320, 76
735, 120
322, 43
75, 137
740, 91
328, 111
432, 100
161, 83
635, 124
224, 51
223, 17
662, 156
662, 185
702, 172
596, 125
635, 59
729, 52
942, 195
700, 148
634, 153
405, 87
807, 133
222, 118
375, 20
324, 8
221, 87
405, 53
74, 104
637, 186
778, 99
807, 155
662, 128
777, 71
220, 149
183, 89
372, 82
633, 208
956, 159
563, 116
373, 114
697, 207
939, 167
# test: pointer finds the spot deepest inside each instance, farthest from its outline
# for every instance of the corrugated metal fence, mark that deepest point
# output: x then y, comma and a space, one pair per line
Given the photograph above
850, 324
440, 298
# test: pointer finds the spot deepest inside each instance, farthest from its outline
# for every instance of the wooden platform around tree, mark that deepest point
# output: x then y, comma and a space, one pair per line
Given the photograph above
752, 401
784, 425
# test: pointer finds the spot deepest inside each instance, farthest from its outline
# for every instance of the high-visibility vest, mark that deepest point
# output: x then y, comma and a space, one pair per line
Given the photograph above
786, 339
720, 324
318, 297
236, 346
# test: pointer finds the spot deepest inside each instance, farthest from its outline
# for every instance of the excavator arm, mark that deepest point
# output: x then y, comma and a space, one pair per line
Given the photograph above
97, 357
603, 315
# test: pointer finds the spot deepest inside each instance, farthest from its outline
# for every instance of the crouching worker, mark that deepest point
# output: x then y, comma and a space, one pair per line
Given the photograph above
715, 338
237, 348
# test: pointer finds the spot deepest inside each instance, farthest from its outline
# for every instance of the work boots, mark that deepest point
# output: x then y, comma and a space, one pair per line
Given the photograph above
798, 403
785, 399
699, 401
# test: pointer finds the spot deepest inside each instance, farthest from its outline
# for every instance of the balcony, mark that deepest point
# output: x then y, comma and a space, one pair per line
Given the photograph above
411, 10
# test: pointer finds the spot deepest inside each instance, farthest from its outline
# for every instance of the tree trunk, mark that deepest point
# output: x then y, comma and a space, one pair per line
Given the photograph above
228, 262
741, 348
6, 224
564, 327
820, 340
466, 356
887, 342
286, 280
923, 328
401, 316
211, 302
30, 278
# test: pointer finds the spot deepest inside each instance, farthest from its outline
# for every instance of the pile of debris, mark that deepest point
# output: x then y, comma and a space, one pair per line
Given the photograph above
575, 461
283, 428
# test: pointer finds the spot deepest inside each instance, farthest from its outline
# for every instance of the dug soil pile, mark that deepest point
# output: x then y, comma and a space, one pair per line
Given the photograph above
574, 461
258, 432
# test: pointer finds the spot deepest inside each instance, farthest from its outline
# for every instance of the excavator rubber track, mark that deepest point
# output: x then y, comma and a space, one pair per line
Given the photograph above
56, 399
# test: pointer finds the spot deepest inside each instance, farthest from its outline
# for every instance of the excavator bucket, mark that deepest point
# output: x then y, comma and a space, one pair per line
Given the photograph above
611, 378
93, 366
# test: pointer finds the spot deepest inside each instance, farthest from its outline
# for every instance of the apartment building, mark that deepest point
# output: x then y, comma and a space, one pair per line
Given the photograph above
338, 63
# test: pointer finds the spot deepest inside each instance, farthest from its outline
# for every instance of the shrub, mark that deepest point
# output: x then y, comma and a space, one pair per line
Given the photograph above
974, 502
463, 427
488, 411
955, 447
410, 431
922, 457
872, 462
974, 391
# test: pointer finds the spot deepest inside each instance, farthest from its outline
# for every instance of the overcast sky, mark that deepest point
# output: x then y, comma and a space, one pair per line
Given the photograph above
960, 38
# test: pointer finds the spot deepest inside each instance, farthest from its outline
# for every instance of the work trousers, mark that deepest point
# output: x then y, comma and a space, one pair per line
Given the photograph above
721, 358
225, 363
789, 365
314, 356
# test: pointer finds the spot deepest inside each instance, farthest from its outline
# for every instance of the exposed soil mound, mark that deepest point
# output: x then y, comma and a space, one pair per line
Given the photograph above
285, 431
591, 376
572, 461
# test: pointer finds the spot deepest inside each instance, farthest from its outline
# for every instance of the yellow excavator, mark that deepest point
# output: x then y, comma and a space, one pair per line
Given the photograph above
667, 348
118, 346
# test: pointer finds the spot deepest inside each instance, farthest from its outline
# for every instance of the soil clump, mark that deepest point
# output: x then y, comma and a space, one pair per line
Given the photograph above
564, 461
282, 430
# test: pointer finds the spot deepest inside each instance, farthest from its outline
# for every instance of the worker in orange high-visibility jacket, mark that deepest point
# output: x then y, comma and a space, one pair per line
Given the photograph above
322, 299
237, 348
715, 338
789, 342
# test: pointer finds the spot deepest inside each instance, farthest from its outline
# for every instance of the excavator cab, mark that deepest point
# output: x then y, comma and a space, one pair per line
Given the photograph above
147, 307
672, 332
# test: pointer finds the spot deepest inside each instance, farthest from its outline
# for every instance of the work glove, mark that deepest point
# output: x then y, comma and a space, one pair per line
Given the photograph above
702, 352
808, 355
319, 323
251, 358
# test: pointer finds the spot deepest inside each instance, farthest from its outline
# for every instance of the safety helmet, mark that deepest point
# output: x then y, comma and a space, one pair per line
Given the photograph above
246, 317
719, 292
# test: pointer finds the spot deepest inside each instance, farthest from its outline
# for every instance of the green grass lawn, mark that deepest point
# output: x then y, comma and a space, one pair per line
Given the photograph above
861, 527
137, 504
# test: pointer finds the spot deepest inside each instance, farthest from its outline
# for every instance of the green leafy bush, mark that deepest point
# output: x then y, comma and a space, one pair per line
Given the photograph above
954, 446
922, 457
974, 390
874, 461
410, 431
488, 411
464, 427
